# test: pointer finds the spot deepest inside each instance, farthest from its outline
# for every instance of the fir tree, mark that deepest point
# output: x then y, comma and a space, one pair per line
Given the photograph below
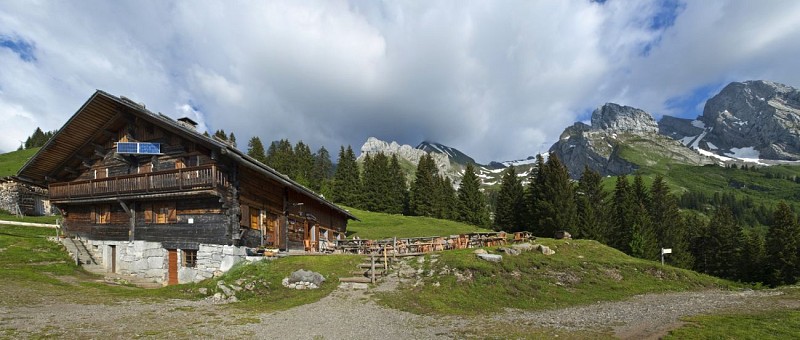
668, 225
472, 207
643, 242
446, 203
783, 245
322, 170
346, 181
256, 150
624, 209
303, 162
374, 183
555, 202
534, 196
510, 203
397, 196
280, 156
722, 245
639, 191
221, 134
421, 196
592, 203
753, 256
232, 139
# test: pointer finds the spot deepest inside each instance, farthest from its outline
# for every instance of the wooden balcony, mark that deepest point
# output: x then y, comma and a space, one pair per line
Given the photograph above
178, 180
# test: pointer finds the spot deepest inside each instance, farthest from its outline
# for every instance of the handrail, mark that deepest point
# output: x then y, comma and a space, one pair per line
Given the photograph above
193, 178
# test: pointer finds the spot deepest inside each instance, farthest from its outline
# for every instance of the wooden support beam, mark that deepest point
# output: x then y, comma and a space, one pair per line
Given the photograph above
71, 170
97, 134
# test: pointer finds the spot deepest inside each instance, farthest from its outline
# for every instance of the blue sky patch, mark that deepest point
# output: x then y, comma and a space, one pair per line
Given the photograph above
21, 47
691, 105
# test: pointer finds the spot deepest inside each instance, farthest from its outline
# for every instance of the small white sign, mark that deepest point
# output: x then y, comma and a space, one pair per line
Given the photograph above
666, 250
191, 220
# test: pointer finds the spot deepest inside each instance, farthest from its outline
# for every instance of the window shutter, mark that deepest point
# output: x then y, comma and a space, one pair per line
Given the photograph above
173, 213
148, 213
245, 220
93, 215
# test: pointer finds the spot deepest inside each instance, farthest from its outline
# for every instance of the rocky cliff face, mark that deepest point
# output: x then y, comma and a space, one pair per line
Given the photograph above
620, 139
409, 154
753, 119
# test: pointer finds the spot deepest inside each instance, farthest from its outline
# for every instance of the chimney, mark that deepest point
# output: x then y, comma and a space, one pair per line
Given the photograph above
187, 123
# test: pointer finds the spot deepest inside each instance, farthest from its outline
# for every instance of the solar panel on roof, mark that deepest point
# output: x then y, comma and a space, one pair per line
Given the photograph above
139, 148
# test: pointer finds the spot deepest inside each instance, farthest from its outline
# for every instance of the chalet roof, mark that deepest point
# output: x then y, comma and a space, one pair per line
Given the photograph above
102, 113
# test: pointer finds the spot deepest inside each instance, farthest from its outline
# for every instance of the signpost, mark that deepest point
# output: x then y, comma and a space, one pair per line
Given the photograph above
665, 251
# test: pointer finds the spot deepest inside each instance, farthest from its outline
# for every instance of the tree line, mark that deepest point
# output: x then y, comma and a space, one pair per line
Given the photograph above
37, 139
640, 220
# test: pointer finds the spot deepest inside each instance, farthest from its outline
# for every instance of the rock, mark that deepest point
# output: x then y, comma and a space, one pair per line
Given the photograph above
233, 299
480, 251
236, 288
203, 290
250, 286
523, 247
353, 286
225, 289
285, 282
563, 235
509, 251
617, 118
306, 276
546, 250
436, 284
374, 146
491, 257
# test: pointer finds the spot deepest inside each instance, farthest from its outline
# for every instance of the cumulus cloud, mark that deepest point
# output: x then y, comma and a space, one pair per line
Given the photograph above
498, 80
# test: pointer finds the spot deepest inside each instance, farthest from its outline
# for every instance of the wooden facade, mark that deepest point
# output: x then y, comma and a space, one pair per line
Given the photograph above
196, 190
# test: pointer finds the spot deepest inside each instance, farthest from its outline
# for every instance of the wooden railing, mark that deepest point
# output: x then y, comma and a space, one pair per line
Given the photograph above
186, 179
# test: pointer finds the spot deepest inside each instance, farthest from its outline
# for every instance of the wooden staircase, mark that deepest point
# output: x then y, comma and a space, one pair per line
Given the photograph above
371, 269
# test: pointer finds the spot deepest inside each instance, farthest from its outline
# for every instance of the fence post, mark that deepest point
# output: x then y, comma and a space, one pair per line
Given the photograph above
372, 270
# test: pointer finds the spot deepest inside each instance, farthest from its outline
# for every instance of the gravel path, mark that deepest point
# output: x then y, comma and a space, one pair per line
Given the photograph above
349, 315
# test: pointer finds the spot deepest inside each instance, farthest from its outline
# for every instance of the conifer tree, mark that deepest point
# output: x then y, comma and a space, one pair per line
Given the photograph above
555, 202
722, 245
322, 169
534, 196
421, 196
256, 150
624, 209
374, 183
471, 201
783, 245
639, 191
643, 239
280, 156
346, 186
753, 257
510, 204
232, 139
668, 225
446, 203
303, 163
221, 134
592, 205
397, 196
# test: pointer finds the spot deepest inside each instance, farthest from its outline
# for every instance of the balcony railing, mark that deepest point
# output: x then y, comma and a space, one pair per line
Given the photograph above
177, 180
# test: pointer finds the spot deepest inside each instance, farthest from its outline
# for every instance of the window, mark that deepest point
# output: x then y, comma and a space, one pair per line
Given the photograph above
102, 214
160, 213
190, 258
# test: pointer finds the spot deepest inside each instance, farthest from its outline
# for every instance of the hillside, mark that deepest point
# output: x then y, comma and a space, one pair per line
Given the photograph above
376, 226
11, 162
580, 272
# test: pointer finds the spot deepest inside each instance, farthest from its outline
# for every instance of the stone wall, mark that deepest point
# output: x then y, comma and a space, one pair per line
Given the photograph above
31, 200
149, 260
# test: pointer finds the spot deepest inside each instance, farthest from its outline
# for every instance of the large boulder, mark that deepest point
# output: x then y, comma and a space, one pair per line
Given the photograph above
303, 275
491, 257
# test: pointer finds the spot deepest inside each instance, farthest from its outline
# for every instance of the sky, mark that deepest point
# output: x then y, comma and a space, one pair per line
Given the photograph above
498, 80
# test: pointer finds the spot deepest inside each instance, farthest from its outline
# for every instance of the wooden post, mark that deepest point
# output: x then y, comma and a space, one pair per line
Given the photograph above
372, 269
385, 261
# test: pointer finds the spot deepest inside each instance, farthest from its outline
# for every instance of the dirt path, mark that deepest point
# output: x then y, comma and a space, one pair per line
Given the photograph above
349, 315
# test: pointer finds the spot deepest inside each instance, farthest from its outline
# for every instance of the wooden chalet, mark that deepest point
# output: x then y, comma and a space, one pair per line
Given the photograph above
140, 186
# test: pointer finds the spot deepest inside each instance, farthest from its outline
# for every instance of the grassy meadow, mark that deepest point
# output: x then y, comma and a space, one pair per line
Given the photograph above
380, 226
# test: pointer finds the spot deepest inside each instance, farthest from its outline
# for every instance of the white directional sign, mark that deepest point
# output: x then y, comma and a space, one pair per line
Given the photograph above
666, 250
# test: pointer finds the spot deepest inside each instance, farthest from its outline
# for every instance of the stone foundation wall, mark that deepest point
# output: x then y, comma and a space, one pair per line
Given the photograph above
30, 199
149, 260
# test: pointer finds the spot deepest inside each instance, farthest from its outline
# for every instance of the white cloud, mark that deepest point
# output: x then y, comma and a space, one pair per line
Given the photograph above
494, 79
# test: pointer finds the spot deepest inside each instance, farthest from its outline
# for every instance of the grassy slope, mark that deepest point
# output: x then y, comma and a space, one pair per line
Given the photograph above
580, 272
380, 226
11, 162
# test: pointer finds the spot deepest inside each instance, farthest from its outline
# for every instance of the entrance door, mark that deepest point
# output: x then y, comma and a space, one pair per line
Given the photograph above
172, 270
113, 259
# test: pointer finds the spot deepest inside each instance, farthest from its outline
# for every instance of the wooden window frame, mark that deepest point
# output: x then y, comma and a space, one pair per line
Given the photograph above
189, 258
160, 213
101, 214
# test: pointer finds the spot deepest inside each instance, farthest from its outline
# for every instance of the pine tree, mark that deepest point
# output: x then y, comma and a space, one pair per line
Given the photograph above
668, 225
555, 202
722, 247
472, 207
280, 156
592, 205
534, 196
221, 134
783, 245
322, 169
374, 183
303, 163
446, 203
256, 150
232, 139
510, 203
753, 257
624, 207
639, 191
643, 242
397, 195
421, 196
346, 186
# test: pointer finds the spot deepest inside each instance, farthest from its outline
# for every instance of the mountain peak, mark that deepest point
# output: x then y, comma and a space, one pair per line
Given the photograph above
618, 118
454, 154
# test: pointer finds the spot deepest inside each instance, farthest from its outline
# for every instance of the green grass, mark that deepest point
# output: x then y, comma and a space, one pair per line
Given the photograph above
775, 324
11, 162
380, 226
581, 272
6, 216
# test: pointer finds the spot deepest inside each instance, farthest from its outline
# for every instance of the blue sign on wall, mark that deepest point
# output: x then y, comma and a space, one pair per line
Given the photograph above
139, 148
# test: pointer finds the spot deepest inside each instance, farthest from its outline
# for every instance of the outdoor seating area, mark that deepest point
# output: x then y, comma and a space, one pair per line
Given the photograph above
418, 245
